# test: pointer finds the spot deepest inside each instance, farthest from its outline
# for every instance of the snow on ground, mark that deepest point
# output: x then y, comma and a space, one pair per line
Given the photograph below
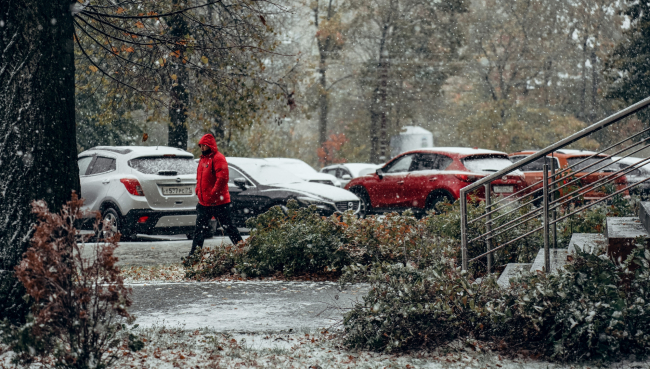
176, 347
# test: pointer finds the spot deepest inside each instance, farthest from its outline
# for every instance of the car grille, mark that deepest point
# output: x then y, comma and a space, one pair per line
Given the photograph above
347, 205
323, 182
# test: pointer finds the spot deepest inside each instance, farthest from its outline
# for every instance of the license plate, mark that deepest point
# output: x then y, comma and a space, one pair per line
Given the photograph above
170, 191
503, 189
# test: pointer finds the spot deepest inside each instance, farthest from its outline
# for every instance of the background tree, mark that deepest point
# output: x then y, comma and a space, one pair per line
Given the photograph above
408, 47
628, 65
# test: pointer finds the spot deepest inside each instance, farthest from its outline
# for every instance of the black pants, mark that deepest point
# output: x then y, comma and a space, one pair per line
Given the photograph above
222, 215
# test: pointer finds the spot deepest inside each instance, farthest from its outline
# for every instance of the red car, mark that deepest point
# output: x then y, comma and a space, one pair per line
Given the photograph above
420, 179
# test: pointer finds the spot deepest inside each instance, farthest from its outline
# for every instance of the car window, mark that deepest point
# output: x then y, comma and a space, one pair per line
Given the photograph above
343, 172
155, 164
537, 165
331, 171
400, 165
102, 165
234, 174
486, 163
83, 164
605, 166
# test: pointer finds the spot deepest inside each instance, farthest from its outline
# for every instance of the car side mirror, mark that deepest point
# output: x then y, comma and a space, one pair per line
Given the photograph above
380, 173
346, 177
240, 182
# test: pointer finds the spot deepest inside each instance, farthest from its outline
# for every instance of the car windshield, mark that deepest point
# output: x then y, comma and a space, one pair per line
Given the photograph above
153, 165
268, 174
604, 166
486, 164
297, 167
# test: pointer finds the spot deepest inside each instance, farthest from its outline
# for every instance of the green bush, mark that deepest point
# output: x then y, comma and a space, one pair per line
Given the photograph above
592, 309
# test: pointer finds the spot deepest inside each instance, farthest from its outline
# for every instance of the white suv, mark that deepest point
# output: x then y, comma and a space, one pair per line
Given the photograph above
140, 189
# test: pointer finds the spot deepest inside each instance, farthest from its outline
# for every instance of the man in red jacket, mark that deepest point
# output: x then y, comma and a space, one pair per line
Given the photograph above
212, 191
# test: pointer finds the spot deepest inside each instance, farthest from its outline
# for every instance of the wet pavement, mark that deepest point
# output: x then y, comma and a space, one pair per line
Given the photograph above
244, 307
157, 250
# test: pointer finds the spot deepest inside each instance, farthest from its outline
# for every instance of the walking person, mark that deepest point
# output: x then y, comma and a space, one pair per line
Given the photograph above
212, 191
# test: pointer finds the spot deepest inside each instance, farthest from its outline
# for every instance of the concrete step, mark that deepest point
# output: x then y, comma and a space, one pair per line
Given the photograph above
644, 214
512, 270
587, 242
621, 234
558, 259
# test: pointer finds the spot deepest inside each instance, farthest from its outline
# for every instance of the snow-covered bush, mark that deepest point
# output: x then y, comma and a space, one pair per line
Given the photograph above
78, 304
592, 309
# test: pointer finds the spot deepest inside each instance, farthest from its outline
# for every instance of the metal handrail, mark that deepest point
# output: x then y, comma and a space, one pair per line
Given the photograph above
565, 169
545, 184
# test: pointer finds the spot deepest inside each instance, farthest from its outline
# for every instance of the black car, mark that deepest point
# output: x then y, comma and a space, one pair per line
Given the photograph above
256, 185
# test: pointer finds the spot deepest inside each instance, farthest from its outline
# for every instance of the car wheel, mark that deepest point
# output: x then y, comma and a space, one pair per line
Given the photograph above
437, 198
113, 220
364, 201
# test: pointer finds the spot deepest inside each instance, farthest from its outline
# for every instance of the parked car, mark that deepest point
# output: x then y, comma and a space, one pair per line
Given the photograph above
422, 178
256, 185
347, 171
636, 175
303, 170
564, 158
140, 189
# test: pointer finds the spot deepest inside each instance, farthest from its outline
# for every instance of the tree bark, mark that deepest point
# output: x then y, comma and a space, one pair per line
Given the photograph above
38, 149
324, 48
179, 98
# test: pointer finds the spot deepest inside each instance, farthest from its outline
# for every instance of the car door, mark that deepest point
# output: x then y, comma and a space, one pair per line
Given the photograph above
388, 192
94, 185
422, 178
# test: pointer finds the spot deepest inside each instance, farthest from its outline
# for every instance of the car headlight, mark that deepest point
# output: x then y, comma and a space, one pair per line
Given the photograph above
313, 201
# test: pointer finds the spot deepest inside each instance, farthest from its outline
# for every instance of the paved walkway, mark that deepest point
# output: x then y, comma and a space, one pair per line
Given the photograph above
244, 306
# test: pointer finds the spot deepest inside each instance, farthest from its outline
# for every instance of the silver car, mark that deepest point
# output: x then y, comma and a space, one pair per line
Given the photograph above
637, 175
347, 171
140, 189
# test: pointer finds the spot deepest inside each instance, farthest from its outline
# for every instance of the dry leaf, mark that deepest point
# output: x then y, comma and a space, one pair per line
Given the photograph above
174, 77
93, 68
145, 137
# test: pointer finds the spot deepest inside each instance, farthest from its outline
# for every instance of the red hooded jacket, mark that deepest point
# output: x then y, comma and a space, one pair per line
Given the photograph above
212, 175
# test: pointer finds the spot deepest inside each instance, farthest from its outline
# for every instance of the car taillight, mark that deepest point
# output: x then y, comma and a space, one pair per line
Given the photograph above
132, 186
468, 177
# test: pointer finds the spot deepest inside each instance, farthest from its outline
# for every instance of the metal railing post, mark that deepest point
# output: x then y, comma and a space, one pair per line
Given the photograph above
554, 213
547, 256
488, 226
463, 228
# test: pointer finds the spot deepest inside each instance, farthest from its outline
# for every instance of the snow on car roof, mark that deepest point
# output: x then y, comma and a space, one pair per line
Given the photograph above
631, 161
461, 150
138, 151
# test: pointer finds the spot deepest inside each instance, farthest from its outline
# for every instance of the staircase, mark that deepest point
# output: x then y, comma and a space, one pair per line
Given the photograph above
618, 239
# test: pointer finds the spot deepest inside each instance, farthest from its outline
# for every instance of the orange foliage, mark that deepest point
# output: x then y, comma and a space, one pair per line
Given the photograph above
329, 153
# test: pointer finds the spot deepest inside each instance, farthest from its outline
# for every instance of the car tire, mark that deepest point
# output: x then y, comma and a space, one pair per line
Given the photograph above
364, 201
436, 198
116, 224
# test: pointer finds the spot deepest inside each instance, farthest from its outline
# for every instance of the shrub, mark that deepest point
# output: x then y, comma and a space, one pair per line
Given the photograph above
592, 309
78, 303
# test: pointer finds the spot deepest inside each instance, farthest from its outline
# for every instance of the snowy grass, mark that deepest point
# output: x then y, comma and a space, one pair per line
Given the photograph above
134, 274
176, 347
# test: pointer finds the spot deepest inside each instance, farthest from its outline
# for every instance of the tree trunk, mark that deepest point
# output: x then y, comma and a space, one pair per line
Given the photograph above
179, 97
324, 47
38, 149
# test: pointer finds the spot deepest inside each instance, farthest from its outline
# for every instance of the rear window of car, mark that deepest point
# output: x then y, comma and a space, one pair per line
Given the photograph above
486, 164
604, 166
153, 165
537, 165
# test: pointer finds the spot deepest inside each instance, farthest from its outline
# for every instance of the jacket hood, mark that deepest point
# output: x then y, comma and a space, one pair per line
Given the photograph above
209, 140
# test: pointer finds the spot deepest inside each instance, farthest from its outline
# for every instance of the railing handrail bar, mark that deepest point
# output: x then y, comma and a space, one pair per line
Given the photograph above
627, 170
596, 170
604, 180
555, 221
600, 200
533, 212
569, 140
569, 167
506, 244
